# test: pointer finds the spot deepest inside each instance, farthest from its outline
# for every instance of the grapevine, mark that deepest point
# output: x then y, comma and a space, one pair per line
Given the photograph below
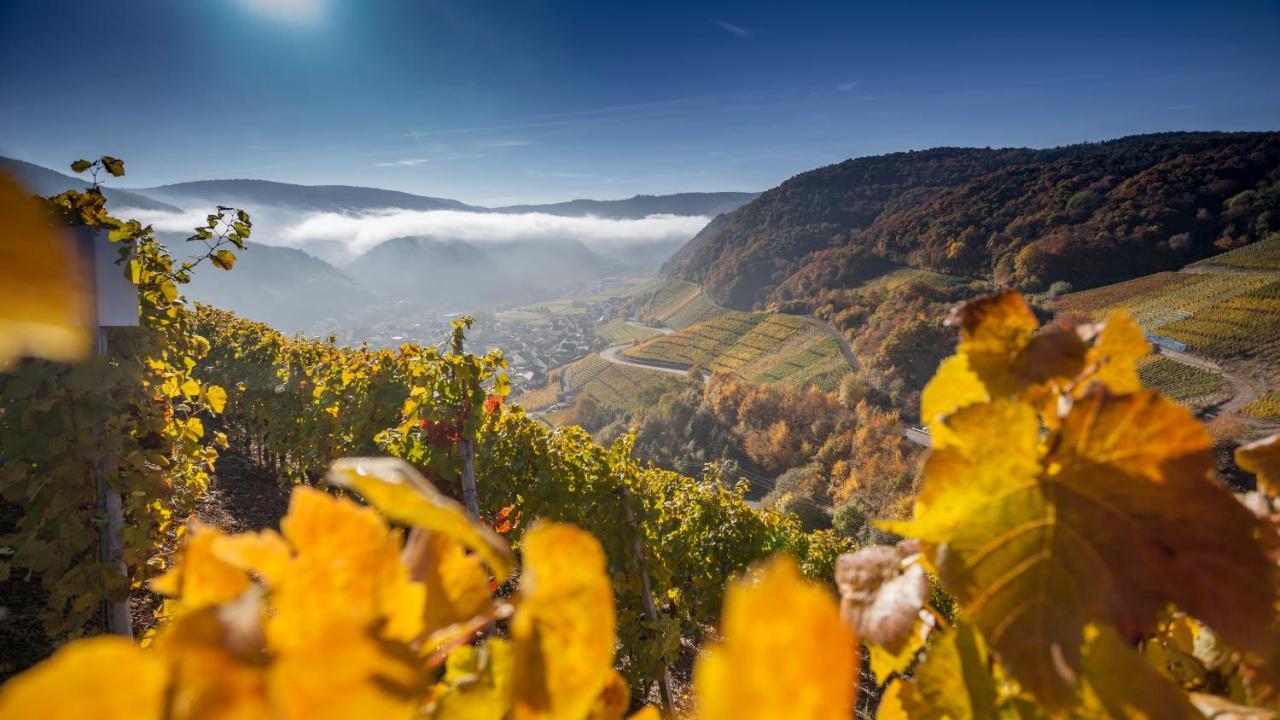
130, 422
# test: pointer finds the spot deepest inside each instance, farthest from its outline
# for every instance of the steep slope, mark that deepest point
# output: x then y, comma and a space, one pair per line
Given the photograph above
1085, 214
43, 181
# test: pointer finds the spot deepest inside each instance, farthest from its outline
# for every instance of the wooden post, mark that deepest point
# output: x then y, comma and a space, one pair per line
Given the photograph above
470, 493
111, 536
650, 608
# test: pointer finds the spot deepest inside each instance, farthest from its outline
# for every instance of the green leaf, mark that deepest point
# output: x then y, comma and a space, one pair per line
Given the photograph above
80, 166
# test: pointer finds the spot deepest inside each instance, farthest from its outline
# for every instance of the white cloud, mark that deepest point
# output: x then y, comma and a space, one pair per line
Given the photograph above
358, 233
732, 29
164, 220
407, 162
340, 237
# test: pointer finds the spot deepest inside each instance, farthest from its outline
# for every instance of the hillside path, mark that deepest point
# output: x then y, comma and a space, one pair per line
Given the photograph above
845, 348
663, 330
611, 354
1243, 390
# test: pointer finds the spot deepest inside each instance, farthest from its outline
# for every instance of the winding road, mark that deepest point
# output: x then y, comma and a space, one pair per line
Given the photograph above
611, 354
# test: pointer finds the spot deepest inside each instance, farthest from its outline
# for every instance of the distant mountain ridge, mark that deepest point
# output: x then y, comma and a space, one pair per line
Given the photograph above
246, 192
301, 198
1085, 214
43, 181
640, 206
296, 289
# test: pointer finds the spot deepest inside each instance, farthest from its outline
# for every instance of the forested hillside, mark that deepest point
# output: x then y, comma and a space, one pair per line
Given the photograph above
1085, 214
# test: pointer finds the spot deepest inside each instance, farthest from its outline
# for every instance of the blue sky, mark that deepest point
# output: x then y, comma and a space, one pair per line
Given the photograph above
502, 102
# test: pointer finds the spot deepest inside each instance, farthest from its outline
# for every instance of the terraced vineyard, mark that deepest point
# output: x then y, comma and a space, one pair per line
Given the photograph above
1162, 302
1267, 406
539, 398
607, 383
902, 276
1261, 255
678, 304
1246, 325
1180, 381
1226, 308
613, 385
761, 347
618, 332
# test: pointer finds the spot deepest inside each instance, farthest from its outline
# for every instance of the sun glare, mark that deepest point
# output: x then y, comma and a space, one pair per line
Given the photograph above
298, 11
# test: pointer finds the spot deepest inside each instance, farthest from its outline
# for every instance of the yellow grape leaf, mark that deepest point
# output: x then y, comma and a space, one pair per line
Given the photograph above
264, 553
1113, 358
200, 578
893, 704
955, 678
786, 652
457, 584
564, 627
217, 398
346, 571
214, 661
647, 712
1002, 355
614, 699
1262, 458
478, 682
885, 664
44, 290
402, 494
881, 599
1120, 684
998, 337
347, 672
1107, 519
954, 386
102, 678
993, 331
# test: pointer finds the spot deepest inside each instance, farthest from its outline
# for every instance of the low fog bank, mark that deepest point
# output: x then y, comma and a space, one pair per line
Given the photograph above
341, 238
305, 269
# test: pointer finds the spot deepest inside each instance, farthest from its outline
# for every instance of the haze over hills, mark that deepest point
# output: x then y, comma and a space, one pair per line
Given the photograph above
1085, 214
453, 273
639, 206
322, 250
281, 286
